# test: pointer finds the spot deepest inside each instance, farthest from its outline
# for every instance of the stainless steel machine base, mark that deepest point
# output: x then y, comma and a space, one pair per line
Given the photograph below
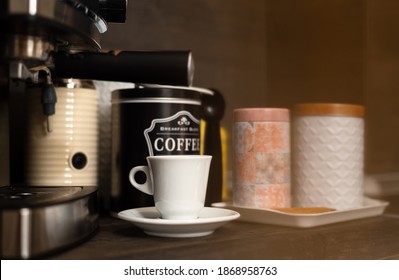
35, 221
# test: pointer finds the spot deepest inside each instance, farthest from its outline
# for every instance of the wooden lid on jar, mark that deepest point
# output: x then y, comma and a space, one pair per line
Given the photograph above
261, 115
329, 109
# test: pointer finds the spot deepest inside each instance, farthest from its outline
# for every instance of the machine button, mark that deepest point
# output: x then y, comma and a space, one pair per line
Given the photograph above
79, 160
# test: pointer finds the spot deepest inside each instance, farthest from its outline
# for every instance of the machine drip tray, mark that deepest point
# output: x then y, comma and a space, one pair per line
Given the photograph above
35, 221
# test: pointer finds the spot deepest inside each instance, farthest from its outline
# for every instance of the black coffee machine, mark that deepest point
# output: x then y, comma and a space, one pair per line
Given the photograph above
44, 40
37, 220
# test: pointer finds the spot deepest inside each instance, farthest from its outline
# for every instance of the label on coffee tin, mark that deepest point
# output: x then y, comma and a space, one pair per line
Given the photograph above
178, 134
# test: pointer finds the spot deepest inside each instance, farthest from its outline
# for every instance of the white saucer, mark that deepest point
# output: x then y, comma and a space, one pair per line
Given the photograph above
148, 219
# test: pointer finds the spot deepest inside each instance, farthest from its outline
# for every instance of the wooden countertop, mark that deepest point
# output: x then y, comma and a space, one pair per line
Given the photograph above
368, 238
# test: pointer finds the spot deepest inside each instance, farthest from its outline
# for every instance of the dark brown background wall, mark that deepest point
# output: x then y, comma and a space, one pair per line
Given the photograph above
275, 53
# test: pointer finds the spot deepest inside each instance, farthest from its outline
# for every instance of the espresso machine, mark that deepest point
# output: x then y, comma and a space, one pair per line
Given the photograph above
43, 41
35, 220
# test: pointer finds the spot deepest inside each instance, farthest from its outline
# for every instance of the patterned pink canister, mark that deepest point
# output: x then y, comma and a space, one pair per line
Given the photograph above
262, 157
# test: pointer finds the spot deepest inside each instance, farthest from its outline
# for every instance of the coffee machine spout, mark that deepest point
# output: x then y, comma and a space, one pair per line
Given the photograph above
141, 67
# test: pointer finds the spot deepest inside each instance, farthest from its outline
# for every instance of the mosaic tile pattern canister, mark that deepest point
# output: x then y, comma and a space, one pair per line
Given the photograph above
262, 158
328, 155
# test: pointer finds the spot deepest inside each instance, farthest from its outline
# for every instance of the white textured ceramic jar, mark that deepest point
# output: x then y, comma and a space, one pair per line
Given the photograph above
68, 155
262, 158
328, 155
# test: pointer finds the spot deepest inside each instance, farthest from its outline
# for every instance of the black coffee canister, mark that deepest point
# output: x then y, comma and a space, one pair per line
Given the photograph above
149, 121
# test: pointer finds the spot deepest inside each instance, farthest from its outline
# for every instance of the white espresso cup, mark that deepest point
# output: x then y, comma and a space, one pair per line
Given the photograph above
177, 182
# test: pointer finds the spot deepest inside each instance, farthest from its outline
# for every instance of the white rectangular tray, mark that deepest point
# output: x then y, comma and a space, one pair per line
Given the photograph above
371, 207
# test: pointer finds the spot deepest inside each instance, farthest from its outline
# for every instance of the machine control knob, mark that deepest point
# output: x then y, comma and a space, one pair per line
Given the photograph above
48, 99
79, 161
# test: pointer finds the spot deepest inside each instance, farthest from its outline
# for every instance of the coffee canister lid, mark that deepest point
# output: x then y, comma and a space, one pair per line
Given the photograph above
156, 95
329, 109
261, 114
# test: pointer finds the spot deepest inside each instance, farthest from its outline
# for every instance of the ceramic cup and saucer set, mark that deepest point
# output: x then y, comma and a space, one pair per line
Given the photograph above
178, 184
168, 178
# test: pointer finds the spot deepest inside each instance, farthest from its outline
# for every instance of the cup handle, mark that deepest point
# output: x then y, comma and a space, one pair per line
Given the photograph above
145, 187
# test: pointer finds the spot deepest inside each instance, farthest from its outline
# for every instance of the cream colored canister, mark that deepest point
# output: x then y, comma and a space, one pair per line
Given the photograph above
68, 155
328, 155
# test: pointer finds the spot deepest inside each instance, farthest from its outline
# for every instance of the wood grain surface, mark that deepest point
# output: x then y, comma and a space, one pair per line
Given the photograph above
369, 238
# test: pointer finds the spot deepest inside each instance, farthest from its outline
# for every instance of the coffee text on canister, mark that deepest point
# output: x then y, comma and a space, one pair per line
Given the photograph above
176, 144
